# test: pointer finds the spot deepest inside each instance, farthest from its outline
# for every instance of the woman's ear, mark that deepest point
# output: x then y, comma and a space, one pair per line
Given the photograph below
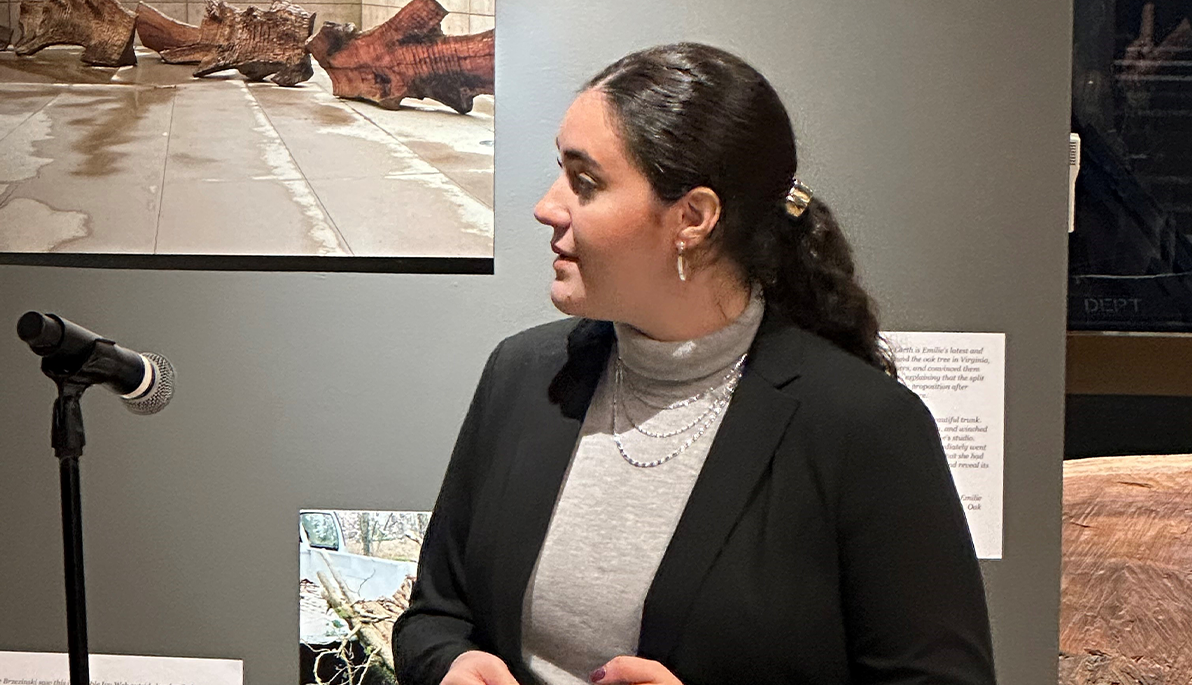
698, 214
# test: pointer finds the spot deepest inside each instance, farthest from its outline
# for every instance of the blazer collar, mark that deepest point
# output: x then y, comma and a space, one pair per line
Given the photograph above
778, 350
740, 454
546, 443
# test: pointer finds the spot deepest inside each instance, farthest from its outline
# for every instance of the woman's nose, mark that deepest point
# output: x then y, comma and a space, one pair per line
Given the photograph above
550, 210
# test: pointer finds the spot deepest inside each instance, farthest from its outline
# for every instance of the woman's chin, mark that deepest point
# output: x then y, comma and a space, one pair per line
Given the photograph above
565, 299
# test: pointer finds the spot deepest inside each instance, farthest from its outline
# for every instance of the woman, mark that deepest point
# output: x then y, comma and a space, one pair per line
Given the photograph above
709, 474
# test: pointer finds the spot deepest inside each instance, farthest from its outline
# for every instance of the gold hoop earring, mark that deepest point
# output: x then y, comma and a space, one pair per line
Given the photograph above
681, 264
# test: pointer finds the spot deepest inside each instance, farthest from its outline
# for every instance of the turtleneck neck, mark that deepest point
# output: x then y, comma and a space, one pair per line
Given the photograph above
690, 360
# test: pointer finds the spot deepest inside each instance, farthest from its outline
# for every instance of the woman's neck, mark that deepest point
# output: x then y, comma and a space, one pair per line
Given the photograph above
703, 304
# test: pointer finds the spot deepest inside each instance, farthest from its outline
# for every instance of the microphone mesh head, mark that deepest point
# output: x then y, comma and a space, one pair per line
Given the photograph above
161, 390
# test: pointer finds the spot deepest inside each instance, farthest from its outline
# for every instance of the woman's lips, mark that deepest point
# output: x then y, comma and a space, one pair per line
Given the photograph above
562, 256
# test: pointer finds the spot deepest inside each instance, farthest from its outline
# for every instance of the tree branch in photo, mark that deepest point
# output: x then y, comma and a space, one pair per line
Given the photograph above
407, 56
257, 43
103, 27
363, 624
159, 32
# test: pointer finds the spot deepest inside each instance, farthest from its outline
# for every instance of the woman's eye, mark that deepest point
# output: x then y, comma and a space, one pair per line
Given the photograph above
583, 185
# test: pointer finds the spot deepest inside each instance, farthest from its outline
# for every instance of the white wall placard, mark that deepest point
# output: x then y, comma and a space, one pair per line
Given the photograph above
962, 380
44, 668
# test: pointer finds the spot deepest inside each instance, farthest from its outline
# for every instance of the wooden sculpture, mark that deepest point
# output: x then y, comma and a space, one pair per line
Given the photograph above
407, 56
1126, 590
160, 33
103, 27
257, 43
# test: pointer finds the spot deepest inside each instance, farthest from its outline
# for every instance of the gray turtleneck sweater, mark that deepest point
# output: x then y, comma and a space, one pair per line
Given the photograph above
612, 520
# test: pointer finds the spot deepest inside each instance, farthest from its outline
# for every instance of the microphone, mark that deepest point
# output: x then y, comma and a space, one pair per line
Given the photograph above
144, 381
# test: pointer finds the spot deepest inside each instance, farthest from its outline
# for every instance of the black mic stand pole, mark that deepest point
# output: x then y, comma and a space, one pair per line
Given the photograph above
67, 439
76, 359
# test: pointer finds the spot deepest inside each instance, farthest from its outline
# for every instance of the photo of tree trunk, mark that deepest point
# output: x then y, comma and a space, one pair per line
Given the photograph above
339, 135
356, 569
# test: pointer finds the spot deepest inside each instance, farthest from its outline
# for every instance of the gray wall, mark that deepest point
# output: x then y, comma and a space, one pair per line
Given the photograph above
937, 129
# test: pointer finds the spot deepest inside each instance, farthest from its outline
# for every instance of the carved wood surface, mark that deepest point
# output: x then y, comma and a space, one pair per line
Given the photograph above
257, 43
103, 27
407, 56
159, 32
1126, 589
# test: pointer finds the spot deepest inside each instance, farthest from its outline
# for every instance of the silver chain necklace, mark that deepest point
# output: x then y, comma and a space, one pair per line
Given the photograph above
723, 386
620, 398
708, 418
678, 404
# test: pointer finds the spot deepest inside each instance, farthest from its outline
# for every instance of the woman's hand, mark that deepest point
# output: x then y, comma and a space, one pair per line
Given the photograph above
632, 670
478, 668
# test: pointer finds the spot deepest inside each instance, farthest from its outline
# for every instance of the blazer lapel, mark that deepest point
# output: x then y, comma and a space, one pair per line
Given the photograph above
548, 441
740, 454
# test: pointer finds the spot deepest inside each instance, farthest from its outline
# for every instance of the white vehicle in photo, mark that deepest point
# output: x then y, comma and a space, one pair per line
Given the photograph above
322, 542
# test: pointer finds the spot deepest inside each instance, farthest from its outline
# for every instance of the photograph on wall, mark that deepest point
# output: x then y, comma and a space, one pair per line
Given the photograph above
356, 569
337, 135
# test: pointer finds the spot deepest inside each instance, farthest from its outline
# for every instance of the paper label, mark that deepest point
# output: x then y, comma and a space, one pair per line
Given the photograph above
44, 668
961, 377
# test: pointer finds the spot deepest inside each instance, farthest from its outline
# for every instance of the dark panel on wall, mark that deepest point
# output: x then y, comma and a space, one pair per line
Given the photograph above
1111, 425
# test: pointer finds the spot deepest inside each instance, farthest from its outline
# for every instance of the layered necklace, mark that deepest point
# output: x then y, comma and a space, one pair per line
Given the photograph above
716, 397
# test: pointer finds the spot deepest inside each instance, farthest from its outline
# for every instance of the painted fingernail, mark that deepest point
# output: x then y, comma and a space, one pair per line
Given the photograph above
597, 675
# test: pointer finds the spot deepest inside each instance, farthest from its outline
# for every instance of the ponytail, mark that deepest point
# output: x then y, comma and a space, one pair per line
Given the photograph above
806, 269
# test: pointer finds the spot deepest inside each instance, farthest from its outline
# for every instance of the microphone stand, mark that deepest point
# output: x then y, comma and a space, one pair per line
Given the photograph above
67, 439
76, 359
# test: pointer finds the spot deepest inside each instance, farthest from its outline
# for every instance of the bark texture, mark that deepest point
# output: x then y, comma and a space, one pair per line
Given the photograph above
159, 32
257, 43
102, 27
407, 56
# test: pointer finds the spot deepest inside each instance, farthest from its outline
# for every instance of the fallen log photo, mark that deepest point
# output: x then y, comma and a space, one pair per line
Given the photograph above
1126, 594
160, 33
257, 43
103, 28
407, 56
370, 622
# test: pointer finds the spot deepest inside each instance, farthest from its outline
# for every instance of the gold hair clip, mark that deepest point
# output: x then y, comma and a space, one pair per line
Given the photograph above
798, 198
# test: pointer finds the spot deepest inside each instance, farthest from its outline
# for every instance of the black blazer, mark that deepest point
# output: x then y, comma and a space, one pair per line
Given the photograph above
823, 542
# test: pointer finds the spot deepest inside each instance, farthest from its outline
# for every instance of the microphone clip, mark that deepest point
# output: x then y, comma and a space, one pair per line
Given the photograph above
73, 373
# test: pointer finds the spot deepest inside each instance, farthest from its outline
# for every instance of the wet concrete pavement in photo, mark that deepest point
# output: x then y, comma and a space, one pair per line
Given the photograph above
147, 159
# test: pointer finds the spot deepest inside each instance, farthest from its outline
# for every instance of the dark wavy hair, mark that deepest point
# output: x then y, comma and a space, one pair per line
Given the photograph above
692, 115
